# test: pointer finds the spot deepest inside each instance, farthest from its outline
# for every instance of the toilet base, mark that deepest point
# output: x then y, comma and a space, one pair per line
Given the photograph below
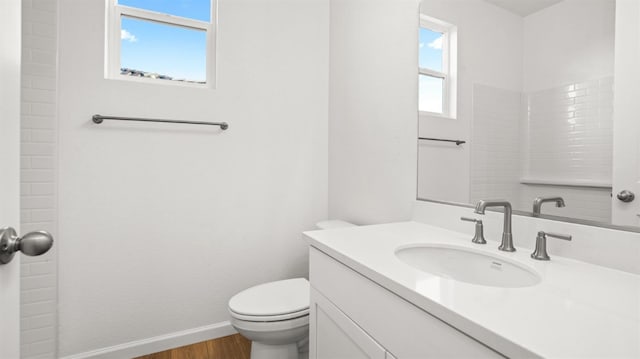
265, 351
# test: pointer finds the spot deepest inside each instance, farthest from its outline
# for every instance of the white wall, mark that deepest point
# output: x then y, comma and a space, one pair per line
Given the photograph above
496, 136
569, 140
569, 42
560, 59
373, 109
568, 85
489, 53
161, 224
38, 297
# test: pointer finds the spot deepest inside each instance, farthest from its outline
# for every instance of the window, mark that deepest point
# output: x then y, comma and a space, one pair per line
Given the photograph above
437, 68
168, 41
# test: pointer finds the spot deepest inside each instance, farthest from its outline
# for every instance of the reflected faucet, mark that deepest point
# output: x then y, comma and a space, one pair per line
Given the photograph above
507, 237
537, 203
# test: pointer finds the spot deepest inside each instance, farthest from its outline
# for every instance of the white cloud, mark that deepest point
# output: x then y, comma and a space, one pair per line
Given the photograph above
127, 36
436, 44
421, 44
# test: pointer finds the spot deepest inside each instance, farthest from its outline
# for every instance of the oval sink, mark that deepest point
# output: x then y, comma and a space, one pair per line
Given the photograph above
468, 265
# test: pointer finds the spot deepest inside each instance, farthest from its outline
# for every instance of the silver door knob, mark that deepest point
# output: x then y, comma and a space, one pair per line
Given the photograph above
31, 244
626, 196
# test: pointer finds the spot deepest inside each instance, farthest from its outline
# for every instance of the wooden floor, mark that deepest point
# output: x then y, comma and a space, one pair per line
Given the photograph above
231, 347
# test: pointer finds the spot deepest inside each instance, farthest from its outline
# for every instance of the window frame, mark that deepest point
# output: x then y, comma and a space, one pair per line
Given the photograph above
115, 12
448, 66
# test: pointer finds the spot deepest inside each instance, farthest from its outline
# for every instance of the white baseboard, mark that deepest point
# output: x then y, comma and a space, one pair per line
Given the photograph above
159, 343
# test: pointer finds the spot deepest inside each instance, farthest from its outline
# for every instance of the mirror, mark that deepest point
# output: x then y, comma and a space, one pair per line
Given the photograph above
516, 101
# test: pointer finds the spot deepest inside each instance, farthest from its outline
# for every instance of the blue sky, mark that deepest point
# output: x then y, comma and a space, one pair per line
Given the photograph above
430, 57
430, 49
168, 50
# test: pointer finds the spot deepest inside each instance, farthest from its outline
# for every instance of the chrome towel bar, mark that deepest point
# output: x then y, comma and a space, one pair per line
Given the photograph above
457, 142
98, 119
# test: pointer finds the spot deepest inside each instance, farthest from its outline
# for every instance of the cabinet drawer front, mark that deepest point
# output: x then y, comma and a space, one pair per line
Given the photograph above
400, 327
335, 336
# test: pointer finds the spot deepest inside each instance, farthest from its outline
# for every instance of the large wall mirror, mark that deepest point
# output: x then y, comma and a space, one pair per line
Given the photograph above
516, 102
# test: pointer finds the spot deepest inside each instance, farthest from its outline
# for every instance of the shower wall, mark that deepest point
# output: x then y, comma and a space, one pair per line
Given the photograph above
569, 148
496, 156
558, 141
38, 197
568, 84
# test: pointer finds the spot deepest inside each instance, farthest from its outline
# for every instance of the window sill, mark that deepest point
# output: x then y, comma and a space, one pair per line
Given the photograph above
150, 81
436, 115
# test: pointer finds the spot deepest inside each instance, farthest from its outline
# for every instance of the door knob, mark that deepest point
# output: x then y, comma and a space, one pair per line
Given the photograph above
626, 196
31, 244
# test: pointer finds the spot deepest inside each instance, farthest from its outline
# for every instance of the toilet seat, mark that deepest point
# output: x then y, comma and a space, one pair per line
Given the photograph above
270, 302
269, 318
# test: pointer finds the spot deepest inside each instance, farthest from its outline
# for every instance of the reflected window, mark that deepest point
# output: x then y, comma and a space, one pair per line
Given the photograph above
436, 62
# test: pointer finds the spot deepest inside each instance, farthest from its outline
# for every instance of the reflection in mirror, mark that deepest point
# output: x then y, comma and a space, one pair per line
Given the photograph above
530, 85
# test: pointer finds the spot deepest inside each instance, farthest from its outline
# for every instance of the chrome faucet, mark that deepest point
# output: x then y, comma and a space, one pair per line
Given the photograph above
478, 238
540, 253
537, 203
507, 237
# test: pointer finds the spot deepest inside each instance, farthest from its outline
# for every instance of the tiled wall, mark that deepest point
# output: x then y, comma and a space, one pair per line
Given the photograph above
38, 181
495, 144
560, 134
570, 132
570, 138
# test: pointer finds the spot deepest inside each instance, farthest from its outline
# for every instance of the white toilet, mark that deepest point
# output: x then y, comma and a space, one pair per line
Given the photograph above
275, 315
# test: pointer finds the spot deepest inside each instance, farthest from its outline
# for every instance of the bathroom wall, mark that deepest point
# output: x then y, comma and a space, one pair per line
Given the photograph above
560, 52
562, 70
38, 295
489, 54
568, 86
161, 224
569, 141
496, 144
372, 109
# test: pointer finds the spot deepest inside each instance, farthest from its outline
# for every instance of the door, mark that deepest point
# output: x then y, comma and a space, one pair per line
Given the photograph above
10, 14
626, 125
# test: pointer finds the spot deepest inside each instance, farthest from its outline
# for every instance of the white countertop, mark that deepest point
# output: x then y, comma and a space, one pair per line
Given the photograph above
578, 310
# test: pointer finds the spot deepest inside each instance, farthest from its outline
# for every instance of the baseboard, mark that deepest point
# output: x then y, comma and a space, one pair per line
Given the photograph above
159, 343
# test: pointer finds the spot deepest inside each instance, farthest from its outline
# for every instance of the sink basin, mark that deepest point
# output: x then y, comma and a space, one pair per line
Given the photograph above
468, 265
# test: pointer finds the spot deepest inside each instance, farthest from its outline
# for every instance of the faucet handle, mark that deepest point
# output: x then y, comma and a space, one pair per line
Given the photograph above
478, 238
540, 253
469, 219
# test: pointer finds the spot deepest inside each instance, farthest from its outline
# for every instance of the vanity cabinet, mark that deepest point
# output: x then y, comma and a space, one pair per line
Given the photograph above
337, 336
353, 317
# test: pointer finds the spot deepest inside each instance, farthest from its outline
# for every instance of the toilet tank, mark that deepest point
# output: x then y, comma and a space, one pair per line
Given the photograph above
334, 224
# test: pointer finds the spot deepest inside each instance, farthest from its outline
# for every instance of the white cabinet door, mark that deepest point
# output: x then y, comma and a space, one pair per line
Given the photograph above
626, 123
335, 336
9, 179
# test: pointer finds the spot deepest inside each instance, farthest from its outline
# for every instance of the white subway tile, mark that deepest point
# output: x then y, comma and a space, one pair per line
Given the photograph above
48, 136
35, 350
38, 95
43, 109
38, 321
38, 282
36, 149
33, 122
44, 83
40, 189
42, 163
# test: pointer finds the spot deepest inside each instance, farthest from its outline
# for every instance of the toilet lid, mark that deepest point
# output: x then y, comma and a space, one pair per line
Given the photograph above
278, 298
